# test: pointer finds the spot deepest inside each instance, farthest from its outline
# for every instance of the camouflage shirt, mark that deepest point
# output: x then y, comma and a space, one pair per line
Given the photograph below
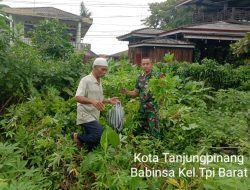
146, 98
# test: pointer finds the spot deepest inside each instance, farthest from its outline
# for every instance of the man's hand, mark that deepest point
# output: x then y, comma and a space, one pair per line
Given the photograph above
124, 91
114, 100
98, 104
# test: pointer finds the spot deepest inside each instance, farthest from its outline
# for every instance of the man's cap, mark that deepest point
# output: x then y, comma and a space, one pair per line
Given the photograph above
100, 62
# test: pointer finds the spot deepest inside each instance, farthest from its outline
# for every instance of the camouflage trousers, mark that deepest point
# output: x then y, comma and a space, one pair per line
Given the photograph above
150, 122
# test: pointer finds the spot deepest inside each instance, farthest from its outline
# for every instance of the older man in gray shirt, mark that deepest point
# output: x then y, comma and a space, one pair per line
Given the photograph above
90, 102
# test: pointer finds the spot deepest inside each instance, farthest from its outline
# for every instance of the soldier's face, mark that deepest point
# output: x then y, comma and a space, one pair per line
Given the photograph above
146, 65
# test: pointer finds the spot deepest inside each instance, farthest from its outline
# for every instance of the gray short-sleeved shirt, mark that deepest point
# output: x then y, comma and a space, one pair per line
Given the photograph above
89, 88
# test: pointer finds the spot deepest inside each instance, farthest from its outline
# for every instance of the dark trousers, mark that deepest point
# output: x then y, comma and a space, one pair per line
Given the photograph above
91, 137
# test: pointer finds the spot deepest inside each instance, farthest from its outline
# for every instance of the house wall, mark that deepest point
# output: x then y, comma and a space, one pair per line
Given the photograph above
27, 23
157, 54
221, 11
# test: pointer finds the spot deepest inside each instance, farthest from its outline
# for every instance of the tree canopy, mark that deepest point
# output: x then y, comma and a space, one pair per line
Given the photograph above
51, 38
4, 34
165, 15
242, 48
84, 12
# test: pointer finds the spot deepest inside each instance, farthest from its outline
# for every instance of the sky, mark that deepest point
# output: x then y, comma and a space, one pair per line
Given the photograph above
111, 18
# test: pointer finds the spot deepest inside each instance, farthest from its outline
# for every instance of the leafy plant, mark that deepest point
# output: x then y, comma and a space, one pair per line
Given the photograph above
109, 136
52, 40
196, 116
241, 48
14, 172
164, 15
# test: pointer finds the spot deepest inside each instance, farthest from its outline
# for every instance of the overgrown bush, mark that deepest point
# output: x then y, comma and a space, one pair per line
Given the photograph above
213, 74
15, 172
195, 119
24, 71
52, 39
241, 48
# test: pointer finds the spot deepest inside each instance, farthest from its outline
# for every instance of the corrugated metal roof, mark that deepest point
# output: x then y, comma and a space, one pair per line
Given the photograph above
148, 31
219, 28
142, 32
167, 41
163, 42
50, 12
220, 25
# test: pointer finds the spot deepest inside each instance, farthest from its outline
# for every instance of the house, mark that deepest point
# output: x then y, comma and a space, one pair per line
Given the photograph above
30, 17
88, 55
216, 24
117, 56
212, 40
218, 10
145, 42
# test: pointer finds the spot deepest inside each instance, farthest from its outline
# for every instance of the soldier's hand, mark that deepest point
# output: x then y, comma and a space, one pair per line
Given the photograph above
124, 90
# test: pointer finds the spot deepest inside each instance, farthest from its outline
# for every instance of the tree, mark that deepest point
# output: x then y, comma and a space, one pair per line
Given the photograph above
84, 12
52, 39
242, 48
4, 34
165, 15
4, 30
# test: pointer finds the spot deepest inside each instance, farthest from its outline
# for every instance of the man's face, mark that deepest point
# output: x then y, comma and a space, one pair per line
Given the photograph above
146, 65
100, 71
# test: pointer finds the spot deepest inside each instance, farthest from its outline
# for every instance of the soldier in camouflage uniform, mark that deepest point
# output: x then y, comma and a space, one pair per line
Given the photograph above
148, 108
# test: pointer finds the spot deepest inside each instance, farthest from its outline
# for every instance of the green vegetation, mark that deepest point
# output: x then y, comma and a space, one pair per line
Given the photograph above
25, 69
84, 12
164, 15
52, 40
202, 107
241, 48
211, 73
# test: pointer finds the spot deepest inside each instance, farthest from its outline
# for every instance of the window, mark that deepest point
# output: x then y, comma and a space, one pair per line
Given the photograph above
27, 29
